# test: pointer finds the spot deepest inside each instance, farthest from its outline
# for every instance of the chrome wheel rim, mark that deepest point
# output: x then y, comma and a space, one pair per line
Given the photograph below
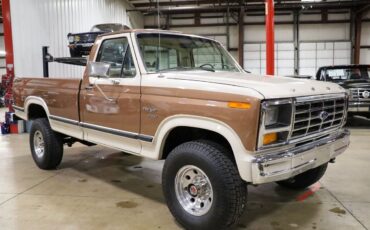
39, 144
193, 190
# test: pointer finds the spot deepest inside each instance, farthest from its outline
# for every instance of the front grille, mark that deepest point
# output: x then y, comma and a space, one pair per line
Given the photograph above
315, 116
358, 94
86, 38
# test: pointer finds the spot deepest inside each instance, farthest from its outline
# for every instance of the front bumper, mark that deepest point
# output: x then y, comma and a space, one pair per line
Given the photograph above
81, 48
359, 106
288, 163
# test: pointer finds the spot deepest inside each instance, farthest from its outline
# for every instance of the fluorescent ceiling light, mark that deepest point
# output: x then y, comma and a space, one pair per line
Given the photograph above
311, 0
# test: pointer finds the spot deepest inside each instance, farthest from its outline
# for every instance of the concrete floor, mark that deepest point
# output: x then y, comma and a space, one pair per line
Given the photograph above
100, 188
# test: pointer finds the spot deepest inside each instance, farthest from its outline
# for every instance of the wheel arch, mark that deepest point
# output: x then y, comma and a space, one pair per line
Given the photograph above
182, 134
36, 107
155, 149
200, 123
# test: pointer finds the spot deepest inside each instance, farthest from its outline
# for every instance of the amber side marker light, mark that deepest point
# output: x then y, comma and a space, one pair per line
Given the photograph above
269, 138
239, 105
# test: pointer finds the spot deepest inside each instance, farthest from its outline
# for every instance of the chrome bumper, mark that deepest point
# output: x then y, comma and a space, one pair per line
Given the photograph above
286, 164
363, 106
84, 44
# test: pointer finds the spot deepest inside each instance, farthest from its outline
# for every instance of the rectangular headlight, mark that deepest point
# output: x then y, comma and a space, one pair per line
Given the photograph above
276, 122
271, 115
70, 39
277, 113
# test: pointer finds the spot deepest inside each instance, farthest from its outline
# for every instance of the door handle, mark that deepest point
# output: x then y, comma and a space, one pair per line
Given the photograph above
115, 82
90, 87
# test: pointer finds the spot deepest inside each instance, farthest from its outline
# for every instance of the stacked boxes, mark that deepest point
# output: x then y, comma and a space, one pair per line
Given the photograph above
5, 129
12, 125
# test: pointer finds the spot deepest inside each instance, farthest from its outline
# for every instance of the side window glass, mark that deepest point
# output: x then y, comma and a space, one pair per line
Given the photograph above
117, 53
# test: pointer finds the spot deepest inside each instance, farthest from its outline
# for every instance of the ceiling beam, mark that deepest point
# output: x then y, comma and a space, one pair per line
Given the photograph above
255, 7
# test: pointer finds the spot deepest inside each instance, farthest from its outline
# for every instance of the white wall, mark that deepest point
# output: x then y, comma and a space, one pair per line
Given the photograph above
365, 34
324, 32
365, 56
365, 41
37, 23
257, 33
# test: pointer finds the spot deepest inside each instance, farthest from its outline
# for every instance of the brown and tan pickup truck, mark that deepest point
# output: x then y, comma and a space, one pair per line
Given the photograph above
183, 98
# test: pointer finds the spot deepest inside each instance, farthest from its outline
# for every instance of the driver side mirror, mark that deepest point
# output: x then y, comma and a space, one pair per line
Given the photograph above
98, 69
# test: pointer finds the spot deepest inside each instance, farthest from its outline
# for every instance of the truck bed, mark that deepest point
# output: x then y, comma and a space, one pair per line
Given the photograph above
60, 95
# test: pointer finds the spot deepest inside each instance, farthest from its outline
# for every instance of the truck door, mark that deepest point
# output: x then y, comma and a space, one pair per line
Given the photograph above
110, 107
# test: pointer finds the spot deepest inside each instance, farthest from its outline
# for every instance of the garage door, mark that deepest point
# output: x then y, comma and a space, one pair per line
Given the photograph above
313, 55
255, 58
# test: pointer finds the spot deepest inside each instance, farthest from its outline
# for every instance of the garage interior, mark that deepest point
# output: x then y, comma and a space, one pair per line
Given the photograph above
102, 188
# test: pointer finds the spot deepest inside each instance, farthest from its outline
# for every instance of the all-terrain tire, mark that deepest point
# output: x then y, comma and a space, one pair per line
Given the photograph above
46, 145
303, 180
229, 191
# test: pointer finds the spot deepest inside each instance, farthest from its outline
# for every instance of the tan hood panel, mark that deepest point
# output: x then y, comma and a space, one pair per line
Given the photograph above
269, 87
167, 102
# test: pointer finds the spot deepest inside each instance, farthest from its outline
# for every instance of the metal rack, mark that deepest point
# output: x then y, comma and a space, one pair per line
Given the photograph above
47, 58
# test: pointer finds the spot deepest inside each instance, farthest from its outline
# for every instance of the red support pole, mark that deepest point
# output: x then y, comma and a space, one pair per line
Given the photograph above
8, 39
270, 40
9, 59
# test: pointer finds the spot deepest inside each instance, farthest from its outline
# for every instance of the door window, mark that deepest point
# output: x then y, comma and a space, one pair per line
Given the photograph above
117, 53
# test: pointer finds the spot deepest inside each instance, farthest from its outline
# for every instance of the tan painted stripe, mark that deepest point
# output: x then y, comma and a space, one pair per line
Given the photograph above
170, 101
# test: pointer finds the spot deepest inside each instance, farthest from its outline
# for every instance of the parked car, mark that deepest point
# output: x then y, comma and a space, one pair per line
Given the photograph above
354, 78
81, 43
186, 100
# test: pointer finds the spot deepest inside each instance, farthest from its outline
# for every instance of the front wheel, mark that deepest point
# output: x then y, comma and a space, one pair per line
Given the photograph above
202, 186
303, 180
46, 145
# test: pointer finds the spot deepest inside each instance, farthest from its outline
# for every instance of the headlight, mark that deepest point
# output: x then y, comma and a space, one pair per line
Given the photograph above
277, 113
276, 119
70, 39
271, 115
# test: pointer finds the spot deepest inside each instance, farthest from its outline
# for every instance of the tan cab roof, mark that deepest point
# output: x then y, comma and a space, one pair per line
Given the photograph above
141, 31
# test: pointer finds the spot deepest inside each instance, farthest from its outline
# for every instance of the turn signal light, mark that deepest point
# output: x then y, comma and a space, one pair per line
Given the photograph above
269, 138
239, 105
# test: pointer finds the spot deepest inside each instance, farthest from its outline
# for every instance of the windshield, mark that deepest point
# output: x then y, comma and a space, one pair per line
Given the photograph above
107, 28
347, 74
171, 52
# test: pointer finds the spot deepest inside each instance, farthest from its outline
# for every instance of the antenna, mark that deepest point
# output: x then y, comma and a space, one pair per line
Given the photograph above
159, 37
158, 14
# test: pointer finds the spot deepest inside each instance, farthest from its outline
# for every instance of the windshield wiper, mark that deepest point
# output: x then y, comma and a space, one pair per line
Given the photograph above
205, 68
173, 68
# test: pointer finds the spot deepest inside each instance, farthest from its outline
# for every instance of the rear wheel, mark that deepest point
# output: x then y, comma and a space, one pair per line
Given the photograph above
303, 180
202, 186
46, 145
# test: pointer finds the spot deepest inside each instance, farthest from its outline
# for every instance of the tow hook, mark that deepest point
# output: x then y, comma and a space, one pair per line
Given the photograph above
332, 160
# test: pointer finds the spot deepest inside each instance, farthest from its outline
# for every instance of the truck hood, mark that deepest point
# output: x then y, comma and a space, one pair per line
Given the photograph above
350, 84
268, 86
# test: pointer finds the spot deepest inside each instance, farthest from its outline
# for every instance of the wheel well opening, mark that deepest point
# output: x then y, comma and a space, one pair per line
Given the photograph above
36, 111
181, 135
